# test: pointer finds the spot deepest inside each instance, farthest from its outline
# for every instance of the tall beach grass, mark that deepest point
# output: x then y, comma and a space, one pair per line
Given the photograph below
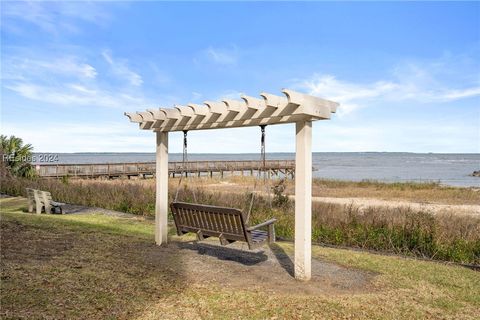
401, 230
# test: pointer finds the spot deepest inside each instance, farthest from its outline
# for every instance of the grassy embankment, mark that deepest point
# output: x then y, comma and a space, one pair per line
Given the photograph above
98, 267
401, 230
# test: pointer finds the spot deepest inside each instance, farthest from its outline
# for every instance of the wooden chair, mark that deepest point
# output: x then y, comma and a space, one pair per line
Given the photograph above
228, 224
42, 200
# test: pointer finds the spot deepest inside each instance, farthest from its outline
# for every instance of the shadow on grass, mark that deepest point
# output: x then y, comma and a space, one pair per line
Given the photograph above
247, 258
283, 259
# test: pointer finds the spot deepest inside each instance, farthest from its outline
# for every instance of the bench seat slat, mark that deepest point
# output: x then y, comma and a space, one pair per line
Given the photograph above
228, 236
259, 235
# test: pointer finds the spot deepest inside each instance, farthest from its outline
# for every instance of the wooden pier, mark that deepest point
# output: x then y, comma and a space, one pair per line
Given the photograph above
284, 168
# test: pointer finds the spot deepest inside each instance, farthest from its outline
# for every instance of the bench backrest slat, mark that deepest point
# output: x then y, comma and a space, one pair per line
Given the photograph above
43, 197
30, 194
209, 218
46, 197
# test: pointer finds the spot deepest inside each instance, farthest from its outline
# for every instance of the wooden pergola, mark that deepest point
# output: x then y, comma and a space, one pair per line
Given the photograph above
294, 107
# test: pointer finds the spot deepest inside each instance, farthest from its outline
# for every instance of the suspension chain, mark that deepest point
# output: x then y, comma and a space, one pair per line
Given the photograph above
262, 151
185, 153
264, 166
184, 167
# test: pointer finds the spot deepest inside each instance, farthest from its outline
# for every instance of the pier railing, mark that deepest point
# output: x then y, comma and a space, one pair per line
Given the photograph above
143, 169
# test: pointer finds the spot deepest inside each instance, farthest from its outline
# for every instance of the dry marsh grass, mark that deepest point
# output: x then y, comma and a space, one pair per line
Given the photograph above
409, 191
400, 230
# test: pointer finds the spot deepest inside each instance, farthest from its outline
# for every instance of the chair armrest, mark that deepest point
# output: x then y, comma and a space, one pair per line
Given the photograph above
263, 224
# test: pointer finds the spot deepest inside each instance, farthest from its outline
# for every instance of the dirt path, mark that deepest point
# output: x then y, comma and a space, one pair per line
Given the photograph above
464, 209
433, 207
79, 209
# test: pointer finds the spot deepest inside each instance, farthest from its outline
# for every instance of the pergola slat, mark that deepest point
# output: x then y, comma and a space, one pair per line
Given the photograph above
157, 114
147, 119
249, 111
171, 114
274, 101
200, 110
254, 103
304, 99
235, 105
185, 111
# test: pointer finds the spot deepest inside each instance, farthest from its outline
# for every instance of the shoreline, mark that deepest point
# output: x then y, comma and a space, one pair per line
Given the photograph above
364, 201
453, 169
420, 194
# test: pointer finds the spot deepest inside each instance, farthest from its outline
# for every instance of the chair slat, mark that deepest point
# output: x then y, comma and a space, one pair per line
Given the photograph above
210, 222
221, 223
202, 221
231, 219
188, 218
225, 223
196, 219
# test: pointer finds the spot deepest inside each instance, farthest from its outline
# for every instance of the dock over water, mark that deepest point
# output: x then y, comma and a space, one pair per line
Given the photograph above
128, 170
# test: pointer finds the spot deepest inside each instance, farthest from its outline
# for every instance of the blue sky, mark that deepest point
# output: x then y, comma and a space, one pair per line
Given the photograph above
407, 75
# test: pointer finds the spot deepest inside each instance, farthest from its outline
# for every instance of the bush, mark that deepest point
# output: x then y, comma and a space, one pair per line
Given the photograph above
15, 158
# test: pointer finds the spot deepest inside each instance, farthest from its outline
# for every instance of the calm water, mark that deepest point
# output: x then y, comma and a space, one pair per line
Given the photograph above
451, 169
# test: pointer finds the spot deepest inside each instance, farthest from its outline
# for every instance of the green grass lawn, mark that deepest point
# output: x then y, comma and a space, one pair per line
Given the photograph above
100, 267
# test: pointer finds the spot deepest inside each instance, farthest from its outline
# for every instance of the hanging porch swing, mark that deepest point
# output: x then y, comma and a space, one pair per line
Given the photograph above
228, 224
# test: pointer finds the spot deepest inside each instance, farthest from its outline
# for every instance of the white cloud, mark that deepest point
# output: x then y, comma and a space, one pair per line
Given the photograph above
22, 68
222, 56
460, 94
52, 17
350, 95
77, 95
69, 80
84, 137
120, 68
408, 83
83, 69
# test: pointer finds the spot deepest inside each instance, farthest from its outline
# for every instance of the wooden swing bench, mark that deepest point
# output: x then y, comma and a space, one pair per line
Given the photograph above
228, 224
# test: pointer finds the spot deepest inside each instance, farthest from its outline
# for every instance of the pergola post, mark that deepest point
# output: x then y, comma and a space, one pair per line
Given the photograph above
161, 199
303, 200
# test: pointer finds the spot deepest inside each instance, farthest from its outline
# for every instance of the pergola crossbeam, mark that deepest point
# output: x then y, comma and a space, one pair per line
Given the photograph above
250, 111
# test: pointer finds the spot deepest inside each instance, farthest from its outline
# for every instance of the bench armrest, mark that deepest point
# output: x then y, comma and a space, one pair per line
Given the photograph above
263, 224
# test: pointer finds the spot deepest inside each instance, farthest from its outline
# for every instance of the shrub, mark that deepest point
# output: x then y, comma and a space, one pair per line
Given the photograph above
15, 157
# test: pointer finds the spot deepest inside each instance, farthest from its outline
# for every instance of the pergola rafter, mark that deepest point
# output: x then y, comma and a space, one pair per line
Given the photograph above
270, 109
